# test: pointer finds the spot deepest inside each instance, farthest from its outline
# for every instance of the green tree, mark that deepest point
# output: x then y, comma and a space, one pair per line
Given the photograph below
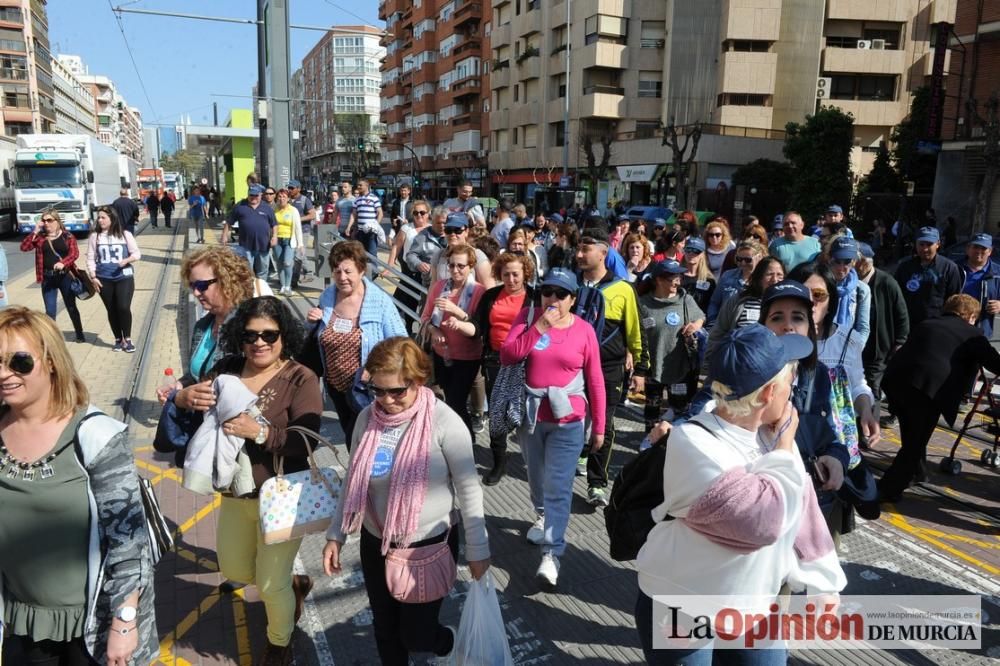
770, 181
356, 137
913, 164
820, 154
186, 162
883, 178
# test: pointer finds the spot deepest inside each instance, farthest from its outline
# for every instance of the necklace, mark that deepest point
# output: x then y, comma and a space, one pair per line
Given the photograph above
27, 470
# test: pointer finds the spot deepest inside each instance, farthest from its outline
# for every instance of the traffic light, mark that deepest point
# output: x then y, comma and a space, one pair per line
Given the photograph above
361, 145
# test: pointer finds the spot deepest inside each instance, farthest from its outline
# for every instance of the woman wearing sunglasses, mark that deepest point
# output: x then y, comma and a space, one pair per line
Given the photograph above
447, 314
564, 383
219, 280
854, 295
734, 281
745, 309
852, 404
720, 244
697, 280
56, 252
260, 340
85, 594
411, 465
420, 213
111, 251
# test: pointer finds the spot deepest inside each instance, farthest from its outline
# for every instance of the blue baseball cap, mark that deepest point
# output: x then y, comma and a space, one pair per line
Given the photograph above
982, 240
751, 356
623, 218
834, 208
695, 243
866, 250
659, 223
457, 221
786, 289
844, 248
668, 267
928, 235
560, 277
255, 190
779, 222
557, 218
294, 183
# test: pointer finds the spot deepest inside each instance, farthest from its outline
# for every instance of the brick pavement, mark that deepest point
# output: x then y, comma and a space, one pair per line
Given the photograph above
924, 544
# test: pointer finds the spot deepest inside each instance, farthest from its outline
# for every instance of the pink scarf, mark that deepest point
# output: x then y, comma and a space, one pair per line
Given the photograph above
408, 484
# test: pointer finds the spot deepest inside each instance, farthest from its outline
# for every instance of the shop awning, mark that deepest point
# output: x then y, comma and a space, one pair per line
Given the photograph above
640, 173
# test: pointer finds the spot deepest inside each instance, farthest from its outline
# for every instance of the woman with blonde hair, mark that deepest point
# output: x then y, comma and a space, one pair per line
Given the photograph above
720, 244
734, 281
71, 499
411, 466
56, 252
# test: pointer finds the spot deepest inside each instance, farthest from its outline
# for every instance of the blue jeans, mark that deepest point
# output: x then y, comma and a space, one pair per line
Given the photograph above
52, 285
370, 241
550, 453
284, 260
703, 656
199, 225
259, 262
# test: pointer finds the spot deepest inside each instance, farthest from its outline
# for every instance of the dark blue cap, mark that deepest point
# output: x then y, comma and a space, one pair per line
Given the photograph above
560, 277
779, 221
834, 208
982, 240
928, 235
294, 183
695, 243
457, 221
668, 267
786, 289
255, 190
659, 223
866, 250
751, 356
844, 248
557, 218
624, 218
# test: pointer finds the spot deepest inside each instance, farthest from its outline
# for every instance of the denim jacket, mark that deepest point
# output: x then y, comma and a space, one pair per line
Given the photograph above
730, 285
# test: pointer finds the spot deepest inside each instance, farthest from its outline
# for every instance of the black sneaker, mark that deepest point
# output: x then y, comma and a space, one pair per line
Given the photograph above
888, 421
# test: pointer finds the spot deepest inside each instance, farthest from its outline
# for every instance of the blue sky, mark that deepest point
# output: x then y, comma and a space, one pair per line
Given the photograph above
182, 62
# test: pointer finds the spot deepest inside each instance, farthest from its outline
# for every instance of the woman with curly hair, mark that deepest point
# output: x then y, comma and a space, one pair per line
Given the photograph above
637, 256
260, 340
220, 280
720, 244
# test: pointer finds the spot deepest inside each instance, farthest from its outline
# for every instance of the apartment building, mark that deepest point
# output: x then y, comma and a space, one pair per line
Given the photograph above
973, 74
743, 68
341, 84
25, 68
434, 94
75, 105
118, 124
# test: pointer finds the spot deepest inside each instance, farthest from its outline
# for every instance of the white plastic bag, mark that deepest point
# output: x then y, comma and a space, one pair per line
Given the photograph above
482, 637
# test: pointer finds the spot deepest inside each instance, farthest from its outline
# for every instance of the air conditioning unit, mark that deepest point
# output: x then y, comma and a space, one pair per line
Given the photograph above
864, 43
482, 153
878, 44
823, 84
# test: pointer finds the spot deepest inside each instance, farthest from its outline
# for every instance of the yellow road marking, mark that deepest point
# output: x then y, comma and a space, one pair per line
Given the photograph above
191, 556
202, 513
167, 644
142, 449
930, 536
169, 473
242, 632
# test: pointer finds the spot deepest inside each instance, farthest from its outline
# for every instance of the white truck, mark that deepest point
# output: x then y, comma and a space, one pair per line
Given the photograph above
128, 172
72, 173
174, 182
8, 212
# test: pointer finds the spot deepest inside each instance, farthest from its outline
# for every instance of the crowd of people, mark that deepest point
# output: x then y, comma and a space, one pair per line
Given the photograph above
762, 362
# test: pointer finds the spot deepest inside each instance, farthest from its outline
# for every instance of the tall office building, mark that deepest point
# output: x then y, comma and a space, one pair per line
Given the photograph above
26, 68
339, 130
434, 99
742, 68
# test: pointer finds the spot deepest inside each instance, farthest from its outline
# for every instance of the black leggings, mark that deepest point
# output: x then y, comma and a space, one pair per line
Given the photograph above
456, 381
23, 650
117, 297
401, 628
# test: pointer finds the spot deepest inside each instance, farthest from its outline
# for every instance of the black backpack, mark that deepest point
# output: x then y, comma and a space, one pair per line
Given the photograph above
636, 491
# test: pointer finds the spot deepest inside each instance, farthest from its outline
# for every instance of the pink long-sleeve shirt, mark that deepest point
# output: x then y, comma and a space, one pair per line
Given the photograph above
457, 345
554, 359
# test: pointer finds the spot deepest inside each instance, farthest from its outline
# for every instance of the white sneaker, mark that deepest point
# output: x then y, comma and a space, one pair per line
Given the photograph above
548, 571
536, 533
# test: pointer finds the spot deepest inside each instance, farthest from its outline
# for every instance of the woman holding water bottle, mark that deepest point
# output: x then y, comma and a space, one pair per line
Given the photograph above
457, 352
111, 251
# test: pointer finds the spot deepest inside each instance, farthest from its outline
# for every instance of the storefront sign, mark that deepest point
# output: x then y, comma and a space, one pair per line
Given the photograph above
639, 173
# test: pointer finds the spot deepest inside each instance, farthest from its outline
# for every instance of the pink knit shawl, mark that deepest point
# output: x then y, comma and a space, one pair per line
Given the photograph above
408, 483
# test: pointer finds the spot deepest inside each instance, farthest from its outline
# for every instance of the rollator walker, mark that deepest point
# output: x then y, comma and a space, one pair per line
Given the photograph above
986, 405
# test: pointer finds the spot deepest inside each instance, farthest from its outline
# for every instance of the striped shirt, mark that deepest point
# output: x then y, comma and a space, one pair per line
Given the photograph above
366, 211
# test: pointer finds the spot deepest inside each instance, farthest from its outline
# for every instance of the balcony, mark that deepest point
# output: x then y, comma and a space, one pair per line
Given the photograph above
470, 85
426, 73
853, 10
12, 74
467, 13
499, 78
500, 120
529, 65
13, 45
600, 54
743, 72
466, 118
863, 61
601, 101
590, 7
501, 35
471, 46
887, 113
425, 136
750, 20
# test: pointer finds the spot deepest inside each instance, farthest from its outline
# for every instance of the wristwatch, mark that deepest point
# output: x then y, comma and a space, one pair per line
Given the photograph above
261, 436
126, 613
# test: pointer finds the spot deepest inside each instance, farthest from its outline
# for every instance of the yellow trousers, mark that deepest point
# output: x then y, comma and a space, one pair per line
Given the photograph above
244, 558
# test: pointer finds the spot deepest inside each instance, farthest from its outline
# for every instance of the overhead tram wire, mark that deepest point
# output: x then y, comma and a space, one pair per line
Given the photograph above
128, 47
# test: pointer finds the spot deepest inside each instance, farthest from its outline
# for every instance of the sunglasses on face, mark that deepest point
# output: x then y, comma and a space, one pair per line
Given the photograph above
21, 363
393, 391
694, 250
454, 232
819, 295
270, 194
48, 219
457, 266
250, 337
557, 292
744, 260
714, 234
202, 285
420, 212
